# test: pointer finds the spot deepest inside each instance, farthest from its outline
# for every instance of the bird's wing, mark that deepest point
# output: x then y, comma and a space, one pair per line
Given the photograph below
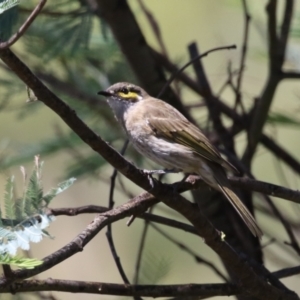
178, 129
168, 123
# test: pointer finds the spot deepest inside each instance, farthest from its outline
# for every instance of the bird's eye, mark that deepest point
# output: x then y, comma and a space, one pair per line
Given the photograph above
125, 91
128, 94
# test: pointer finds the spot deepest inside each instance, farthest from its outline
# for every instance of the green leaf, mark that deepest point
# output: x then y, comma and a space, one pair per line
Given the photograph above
89, 165
8, 18
282, 119
7, 4
34, 193
26, 218
8, 198
59, 189
154, 268
20, 262
67, 35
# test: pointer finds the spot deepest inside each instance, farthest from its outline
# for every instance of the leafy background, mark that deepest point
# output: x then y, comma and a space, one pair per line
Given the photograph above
77, 56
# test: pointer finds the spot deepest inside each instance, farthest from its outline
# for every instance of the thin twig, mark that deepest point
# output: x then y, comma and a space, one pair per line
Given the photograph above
214, 112
244, 51
154, 26
174, 75
92, 209
293, 241
277, 48
290, 75
283, 273
238, 97
73, 13
24, 27
266, 188
191, 252
141, 250
109, 227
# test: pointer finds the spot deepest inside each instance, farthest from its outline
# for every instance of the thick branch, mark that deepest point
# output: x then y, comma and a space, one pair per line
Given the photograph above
136, 206
101, 288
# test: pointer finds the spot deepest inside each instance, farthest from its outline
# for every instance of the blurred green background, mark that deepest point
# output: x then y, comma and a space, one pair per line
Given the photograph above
94, 62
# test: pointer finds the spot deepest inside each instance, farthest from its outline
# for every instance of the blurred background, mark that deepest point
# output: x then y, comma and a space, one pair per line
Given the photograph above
73, 50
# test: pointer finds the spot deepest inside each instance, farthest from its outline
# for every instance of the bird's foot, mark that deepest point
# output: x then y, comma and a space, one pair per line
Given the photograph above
160, 172
149, 174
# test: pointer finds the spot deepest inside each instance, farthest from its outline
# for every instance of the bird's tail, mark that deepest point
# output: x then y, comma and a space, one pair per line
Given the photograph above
223, 185
242, 210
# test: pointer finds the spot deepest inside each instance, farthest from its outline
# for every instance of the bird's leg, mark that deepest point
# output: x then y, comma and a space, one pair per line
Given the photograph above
149, 173
160, 172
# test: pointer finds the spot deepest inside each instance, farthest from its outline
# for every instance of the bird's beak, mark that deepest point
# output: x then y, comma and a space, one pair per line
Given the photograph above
105, 93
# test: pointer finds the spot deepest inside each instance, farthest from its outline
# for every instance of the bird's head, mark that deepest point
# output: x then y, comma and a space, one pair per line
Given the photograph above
122, 96
124, 92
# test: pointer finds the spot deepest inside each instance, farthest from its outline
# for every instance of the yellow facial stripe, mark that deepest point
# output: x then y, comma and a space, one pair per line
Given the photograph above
130, 95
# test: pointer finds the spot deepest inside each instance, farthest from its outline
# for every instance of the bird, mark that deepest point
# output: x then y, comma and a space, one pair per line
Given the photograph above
161, 133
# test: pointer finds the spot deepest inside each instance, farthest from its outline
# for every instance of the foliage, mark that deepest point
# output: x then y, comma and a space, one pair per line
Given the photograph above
154, 268
8, 13
72, 51
7, 4
27, 217
20, 262
278, 118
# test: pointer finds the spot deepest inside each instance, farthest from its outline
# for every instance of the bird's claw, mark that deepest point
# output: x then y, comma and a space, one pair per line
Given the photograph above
160, 172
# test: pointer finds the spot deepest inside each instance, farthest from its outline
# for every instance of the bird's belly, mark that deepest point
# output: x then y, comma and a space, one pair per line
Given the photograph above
167, 154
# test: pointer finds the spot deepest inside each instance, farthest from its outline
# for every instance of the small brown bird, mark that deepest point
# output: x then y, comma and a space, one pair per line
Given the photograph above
160, 132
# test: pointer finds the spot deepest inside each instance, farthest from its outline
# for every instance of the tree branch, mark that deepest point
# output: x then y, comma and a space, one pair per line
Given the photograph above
104, 288
277, 47
24, 27
266, 188
290, 75
244, 49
